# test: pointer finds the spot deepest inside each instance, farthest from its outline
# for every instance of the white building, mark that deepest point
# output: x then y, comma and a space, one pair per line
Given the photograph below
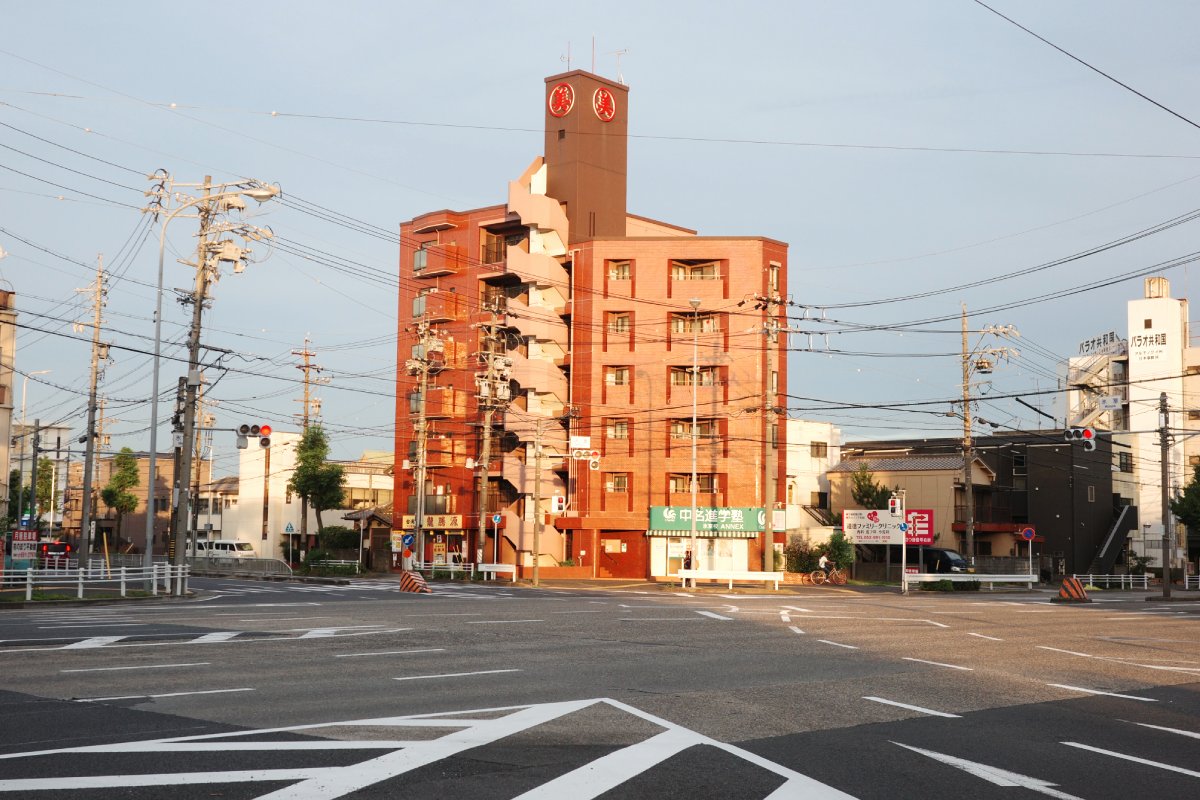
264, 513
812, 447
1116, 384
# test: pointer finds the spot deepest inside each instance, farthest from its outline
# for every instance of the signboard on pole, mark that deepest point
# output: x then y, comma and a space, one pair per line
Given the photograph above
920, 526
879, 527
24, 545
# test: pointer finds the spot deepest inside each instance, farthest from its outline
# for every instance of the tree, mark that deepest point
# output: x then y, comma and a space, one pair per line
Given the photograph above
321, 484
124, 476
44, 483
16, 496
1186, 507
866, 492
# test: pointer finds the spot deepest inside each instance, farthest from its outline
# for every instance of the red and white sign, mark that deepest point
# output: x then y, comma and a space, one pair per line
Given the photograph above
920, 526
604, 104
912, 570
24, 545
561, 100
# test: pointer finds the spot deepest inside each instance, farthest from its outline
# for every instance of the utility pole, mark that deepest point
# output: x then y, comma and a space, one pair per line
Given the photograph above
492, 396
89, 447
537, 500
307, 368
967, 449
770, 421
37, 448
422, 366
1164, 444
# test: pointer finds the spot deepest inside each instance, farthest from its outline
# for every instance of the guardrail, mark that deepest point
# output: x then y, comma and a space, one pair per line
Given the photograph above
1115, 581
226, 565
730, 576
465, 569
965, 577
102, 577
1191, 581
336, 562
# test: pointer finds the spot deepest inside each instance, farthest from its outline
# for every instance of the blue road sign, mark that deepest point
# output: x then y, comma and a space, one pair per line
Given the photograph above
1028, 534
409, 539
904, 527
495, 519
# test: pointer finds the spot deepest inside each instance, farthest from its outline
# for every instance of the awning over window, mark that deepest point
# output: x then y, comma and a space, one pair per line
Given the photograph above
706, 534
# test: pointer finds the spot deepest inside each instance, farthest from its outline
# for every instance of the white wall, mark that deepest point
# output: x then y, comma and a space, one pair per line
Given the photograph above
807, 473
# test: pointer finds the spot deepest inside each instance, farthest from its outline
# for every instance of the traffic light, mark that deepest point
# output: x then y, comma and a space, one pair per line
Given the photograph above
246, 431
558, 504
1085, 435
894, 506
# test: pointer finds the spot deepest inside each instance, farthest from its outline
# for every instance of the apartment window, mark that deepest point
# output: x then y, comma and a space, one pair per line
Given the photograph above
773, 278
421, 256
1125, 461
617, 429
616, 376
682, 429
681, 483
287, 497
774, 382
819, 499
495, 248
689, 323
695, 270
818, 449
619, 321
1193, 415
1018, 461
231, 502
162, 504
1192, 370
1193, 461
683, 376
620, 270
616, 482
1148, 324
1091, 494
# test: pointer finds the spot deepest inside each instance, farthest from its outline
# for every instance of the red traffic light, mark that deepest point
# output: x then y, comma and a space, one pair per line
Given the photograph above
1088, 433
264, 430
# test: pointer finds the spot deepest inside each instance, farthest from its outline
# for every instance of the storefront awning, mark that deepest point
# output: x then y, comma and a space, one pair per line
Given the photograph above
706, 534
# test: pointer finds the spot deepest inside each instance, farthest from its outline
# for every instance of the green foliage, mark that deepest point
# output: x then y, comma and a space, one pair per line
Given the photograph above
1186, 507
1138, 564
16, 494
841, 550
316, 554
866, 492
44, 483
338, 537
800, 556
124, 476
319, 483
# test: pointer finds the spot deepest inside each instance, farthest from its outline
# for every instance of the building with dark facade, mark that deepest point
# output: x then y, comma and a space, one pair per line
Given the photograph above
553, 352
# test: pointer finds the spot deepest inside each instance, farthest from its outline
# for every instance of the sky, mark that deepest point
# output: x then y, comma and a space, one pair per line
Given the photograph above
915, 156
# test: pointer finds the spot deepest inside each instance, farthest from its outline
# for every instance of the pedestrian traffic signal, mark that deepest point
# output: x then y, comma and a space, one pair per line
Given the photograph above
247, 431
1085, 435
894, 506
558, 504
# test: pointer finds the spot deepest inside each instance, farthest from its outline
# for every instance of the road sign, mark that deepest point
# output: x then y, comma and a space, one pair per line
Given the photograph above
289, 528
1028, 533
495, 519
904, 527
24, 545
408, 540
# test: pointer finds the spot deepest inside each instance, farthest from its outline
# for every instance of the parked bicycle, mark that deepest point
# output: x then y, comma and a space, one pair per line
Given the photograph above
836, 576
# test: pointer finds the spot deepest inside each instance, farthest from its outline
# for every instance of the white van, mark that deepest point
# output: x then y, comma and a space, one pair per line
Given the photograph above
225, 548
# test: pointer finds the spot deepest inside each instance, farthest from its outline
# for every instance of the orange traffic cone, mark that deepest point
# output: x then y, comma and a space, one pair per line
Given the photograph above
1071, 591
413, 582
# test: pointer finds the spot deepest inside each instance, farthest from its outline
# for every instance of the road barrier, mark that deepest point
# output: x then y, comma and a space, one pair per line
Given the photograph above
99, 576
1071, 591
967, 577
1115, 581
414, 582
729, 575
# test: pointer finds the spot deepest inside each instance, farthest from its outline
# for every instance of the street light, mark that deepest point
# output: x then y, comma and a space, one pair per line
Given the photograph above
695, 304
24, 435
255, 191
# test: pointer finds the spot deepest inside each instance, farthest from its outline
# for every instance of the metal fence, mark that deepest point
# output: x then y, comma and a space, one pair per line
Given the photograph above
224, 565
1115, 581
98, 580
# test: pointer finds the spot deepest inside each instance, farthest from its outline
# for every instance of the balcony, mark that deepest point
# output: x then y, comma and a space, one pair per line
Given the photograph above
445, 403
440, 307
703, 499
445, 452
441, 259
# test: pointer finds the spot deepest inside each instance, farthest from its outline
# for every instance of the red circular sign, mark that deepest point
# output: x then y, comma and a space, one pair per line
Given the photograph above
604, 104
562, 99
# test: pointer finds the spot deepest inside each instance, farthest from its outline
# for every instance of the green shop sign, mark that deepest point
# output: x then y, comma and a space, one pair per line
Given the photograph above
679, 518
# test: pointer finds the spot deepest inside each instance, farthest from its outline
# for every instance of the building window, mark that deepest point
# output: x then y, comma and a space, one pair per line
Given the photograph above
1193, 461
1194, 415
620, 270
162, 504
695, 270
1091, 494
681, 483
774, 434
818, 449
1148, 324
683, 376
1125, 462
287, 497
819, 500
1019, 467
421, 256
773, 278
682, 429
495, 248
688, 323
619, 321
616, 376
617, 429
616, 482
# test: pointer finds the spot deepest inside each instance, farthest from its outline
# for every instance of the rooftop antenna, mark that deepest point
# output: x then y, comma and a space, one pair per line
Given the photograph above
618, 54
593, 54
567, 57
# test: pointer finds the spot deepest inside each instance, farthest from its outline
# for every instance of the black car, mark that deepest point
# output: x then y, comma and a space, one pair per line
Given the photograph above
937, 559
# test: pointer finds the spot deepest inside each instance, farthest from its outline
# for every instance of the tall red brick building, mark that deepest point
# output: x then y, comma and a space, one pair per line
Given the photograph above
558, 318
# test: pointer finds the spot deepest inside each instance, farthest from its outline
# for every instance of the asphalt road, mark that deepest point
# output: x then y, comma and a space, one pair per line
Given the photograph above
359, 691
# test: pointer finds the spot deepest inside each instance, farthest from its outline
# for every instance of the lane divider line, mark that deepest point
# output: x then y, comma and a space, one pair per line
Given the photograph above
1106, 694
919, 709
940, 664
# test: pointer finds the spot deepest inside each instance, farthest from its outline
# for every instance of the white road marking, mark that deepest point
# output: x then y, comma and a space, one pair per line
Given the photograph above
96, 641
146, 666
1135, 759
454, 674
837, 644
217, 636
1190, 734
1097, 691
391, 652
499, 621
918, 709
784, 616
794, 629
982, 636
798, 608
583, 611
714, 615
1068, 652
156, 696
659, 619
939, 664
994, 775
94, 625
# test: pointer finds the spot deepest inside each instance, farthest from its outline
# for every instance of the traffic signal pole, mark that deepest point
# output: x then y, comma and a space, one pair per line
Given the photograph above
1164, 444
